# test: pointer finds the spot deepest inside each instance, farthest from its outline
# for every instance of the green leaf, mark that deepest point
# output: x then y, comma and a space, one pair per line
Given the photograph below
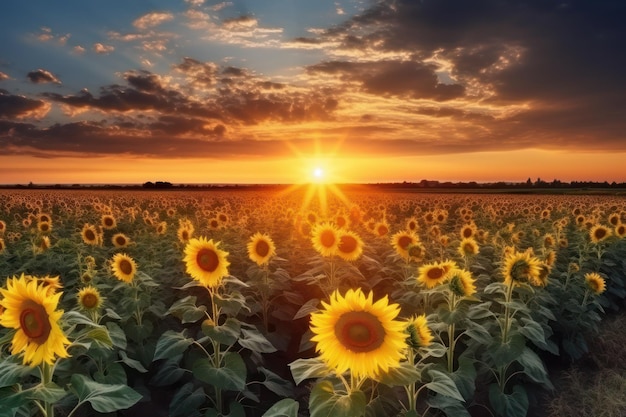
276, 384
73, 318
405, 374
307, 308
235, 410
168, 373
226, 334
132, 363
302, 369
113, 374
104, 398
533, 332
100, 335
283, 408
231, 303
170, 344
11, 400
255, 341
118, 337
187, 401
231, 376
533, 367
325, 402
509, 405
443, 384
50, 393
12, 371
450, 406
111, 313
186, 310
504, 353
465, 377
478, 333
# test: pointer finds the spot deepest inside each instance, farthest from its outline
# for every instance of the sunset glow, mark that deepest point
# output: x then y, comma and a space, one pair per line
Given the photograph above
327, 92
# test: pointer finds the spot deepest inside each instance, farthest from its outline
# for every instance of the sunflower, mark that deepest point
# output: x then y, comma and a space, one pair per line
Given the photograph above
412, 225
620, 230
419, 333
416, 251
30, 309
89, 299
44, 218
350, 246
123, 267
595, 282
51, 284
381, 229
44, 243
521, 267
434, 273
161, 228
468, 230
468, 247
354, 333
325, 239
205, 262
3, 227
185, 231
108, 221
598, 233
401, 241
548, 241
261, 248
120, 240
2, 245
44, 227
342, 221
90, 234
462, 283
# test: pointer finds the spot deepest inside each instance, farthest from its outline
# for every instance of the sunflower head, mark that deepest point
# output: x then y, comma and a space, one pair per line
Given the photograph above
355, 333
468, 247
468, 231
434, 273
401, 241
30, 308
350, 246
521, 267
599, 233
595, 282
325, 239
419, 333
44, 227
90, 235
89, 299
416, 251
381, 229
108, 221
205, 262
120, 240
261, 248
3, 227
620, 230
461, 283
185, 231
123, 267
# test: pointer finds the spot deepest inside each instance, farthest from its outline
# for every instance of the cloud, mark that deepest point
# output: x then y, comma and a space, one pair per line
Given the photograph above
42, 76
100, 48
14, 106
46, 35
153, 19
4, 76
78, 50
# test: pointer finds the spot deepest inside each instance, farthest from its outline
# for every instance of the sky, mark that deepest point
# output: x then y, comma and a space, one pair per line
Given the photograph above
268, 91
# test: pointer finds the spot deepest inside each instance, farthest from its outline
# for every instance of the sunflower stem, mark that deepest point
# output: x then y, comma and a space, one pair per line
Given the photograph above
410, 389
216, 350
507, 319
451, 331
584, 303
46, 378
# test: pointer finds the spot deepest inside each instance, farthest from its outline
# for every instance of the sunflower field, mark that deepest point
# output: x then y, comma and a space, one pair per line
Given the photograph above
249, 303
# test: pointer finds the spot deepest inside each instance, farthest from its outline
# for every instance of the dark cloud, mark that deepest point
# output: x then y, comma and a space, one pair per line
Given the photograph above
12, 106
42, 76
395, 78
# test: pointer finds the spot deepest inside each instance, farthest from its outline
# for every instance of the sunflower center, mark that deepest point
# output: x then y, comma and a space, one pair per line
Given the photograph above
126, 267
207, 260
108, 222
90, 235
600, 233
404, 242
34, 321
520, 271
89, 300
382, 230
327, 238
121, 240
360, 331
341, 222
185, 235
262, 248
467, 232
347, 244
435, 273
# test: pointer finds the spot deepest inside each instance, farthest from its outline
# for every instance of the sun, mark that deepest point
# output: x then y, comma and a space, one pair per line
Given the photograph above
318, 174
